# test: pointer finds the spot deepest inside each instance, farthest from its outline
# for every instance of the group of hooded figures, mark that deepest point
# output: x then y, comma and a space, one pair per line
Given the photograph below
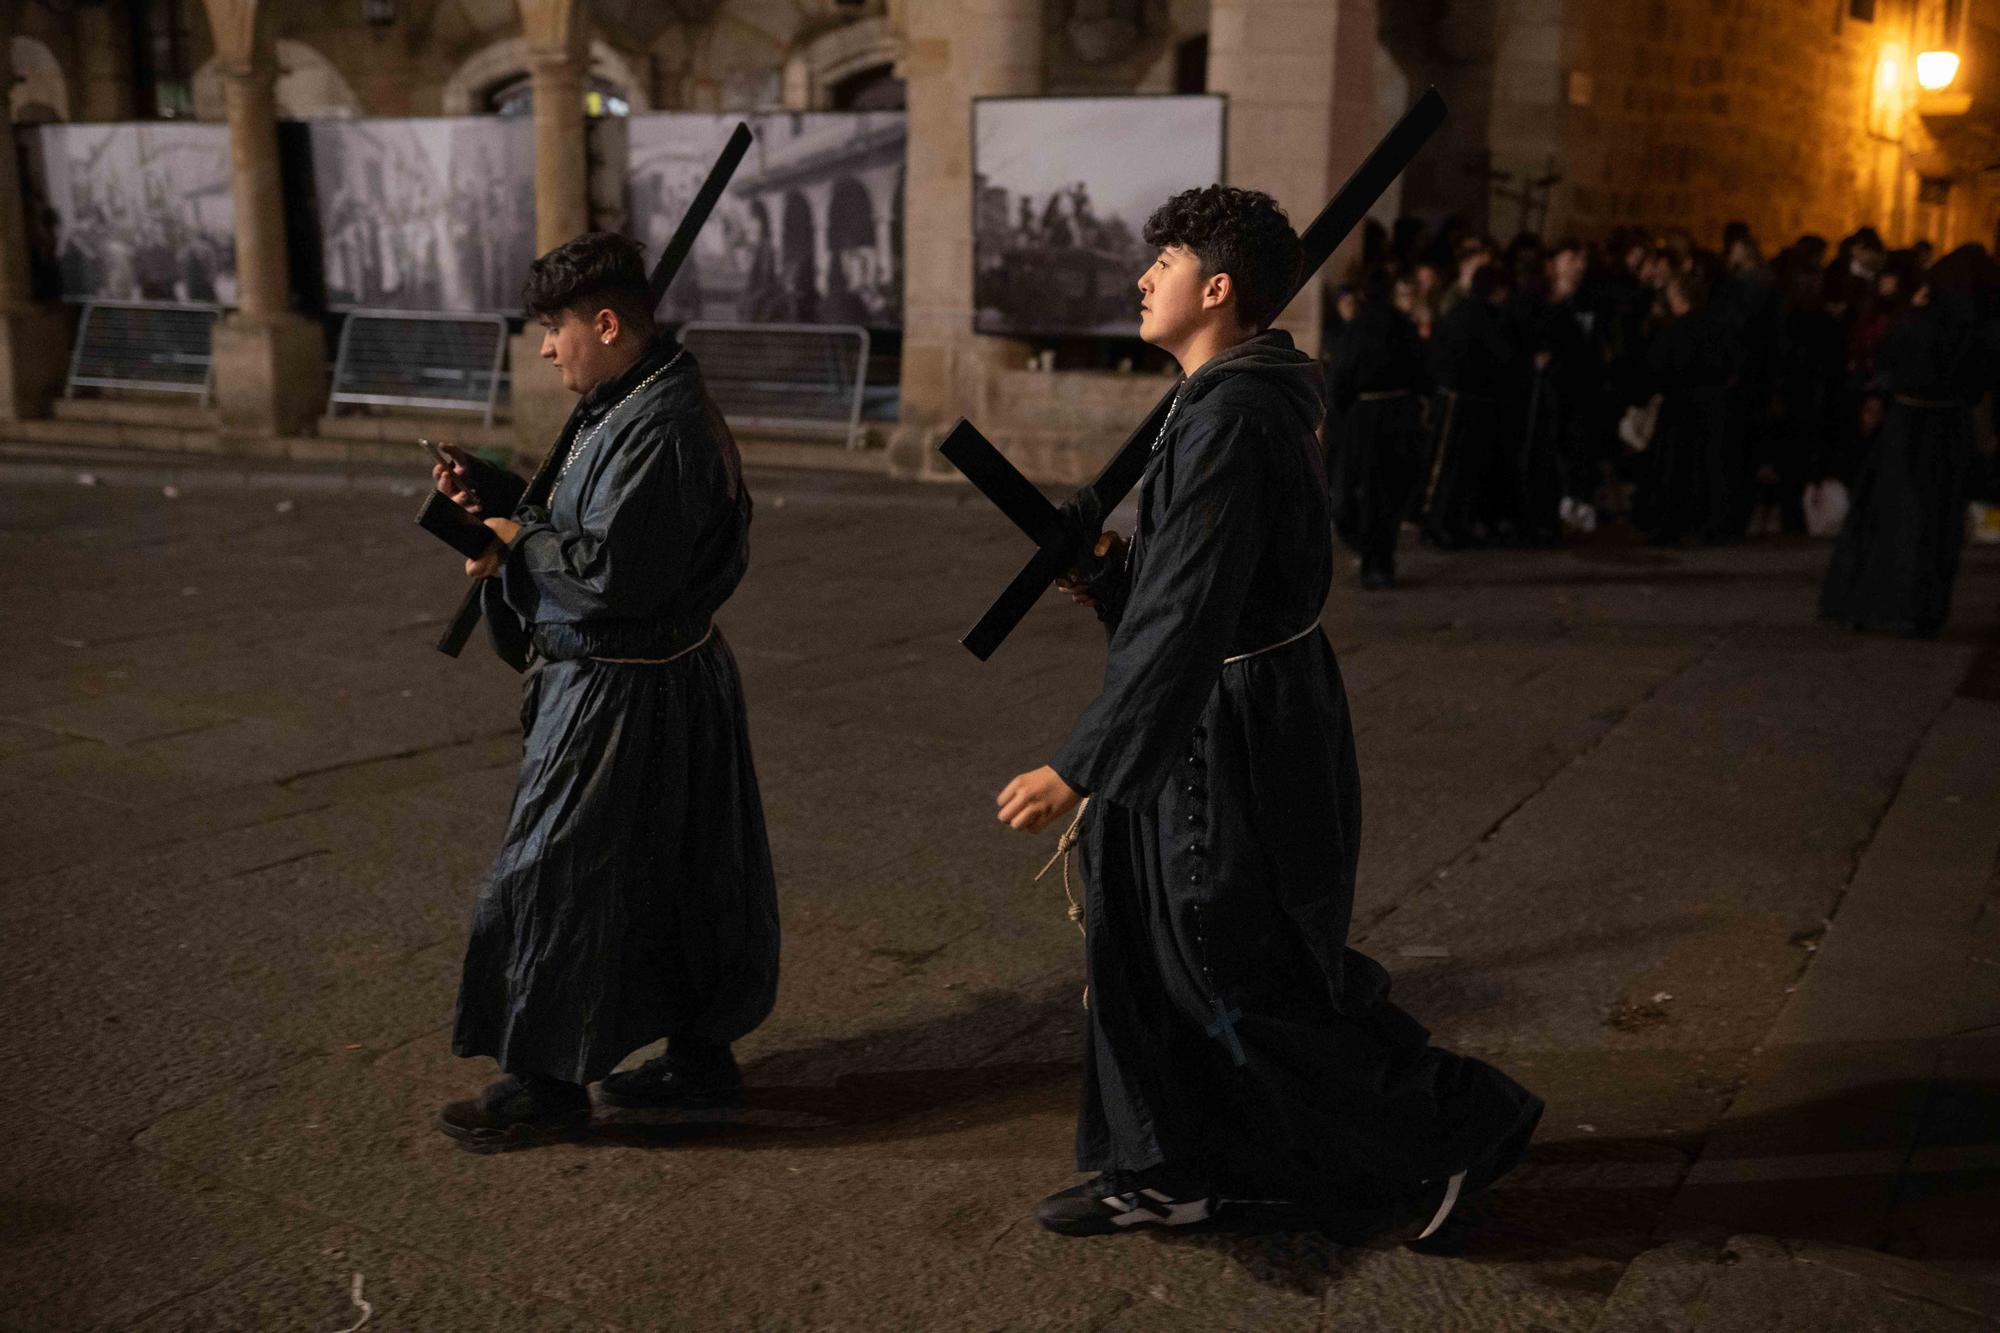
1708, 395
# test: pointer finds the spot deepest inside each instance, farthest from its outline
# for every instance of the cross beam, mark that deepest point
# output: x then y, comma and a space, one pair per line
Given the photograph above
1057, 543
460, 627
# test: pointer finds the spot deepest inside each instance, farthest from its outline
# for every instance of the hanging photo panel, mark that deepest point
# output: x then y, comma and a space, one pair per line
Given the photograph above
1062, 187
810, 231
131, 212
433, 214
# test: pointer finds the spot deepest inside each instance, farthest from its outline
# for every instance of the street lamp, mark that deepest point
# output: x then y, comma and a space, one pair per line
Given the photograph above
1936, 70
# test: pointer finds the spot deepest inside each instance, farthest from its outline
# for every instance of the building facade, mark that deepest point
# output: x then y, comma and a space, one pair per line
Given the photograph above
1567, 116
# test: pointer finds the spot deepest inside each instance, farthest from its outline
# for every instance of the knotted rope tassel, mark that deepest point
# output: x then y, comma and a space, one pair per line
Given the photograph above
1064, 846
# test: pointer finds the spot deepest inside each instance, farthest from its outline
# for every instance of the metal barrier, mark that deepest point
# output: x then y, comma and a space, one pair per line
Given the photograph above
402, 358
160, 346
794, 377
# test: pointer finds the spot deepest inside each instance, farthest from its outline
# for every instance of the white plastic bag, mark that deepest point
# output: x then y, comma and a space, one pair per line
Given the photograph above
1635, 428
1826, 508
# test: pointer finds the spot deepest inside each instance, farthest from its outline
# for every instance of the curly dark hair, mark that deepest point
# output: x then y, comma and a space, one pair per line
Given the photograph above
599, 270
1239, 232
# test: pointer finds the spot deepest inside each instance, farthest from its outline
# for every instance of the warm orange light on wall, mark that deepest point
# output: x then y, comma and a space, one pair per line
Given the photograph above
1889, 72
1936, 70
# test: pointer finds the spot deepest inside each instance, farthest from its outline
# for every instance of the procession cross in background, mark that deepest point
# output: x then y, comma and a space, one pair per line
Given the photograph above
460, 628
1058, 543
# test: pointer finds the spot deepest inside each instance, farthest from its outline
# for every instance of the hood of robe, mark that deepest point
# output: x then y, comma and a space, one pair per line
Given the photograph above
1268, 366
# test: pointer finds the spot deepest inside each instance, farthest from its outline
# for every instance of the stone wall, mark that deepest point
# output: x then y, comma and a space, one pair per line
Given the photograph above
1699, 111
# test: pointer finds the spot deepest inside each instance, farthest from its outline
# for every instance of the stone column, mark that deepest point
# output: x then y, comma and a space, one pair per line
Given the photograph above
561, 163
270, 362
956, 50
558, 61
1292, 133
34, 336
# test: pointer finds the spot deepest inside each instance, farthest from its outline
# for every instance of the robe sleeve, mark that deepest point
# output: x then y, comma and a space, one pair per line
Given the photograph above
1181, 612
634, 542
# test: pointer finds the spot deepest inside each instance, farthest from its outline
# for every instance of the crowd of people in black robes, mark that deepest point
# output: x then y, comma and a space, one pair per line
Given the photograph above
1522, 396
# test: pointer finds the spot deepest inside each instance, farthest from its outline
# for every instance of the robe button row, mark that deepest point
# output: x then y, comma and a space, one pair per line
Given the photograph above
1196, 819
1197, 792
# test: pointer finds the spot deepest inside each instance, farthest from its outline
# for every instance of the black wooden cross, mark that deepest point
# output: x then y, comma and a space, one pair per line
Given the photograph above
1058, 543
461, 625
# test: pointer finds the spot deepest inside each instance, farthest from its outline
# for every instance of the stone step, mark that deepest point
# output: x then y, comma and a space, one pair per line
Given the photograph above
181, 413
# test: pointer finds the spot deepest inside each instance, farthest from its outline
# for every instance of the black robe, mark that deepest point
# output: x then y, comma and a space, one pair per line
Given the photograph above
1898, 552
1689, 484
1470, 359
1231, 1029
633, 897
1374, 430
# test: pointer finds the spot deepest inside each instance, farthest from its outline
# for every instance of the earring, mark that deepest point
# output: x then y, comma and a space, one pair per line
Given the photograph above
605, 341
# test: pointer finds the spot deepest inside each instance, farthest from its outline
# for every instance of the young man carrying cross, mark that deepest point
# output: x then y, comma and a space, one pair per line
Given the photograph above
1237, 1047
633, 897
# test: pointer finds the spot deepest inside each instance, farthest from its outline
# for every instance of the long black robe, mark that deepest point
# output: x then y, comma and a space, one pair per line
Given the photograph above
1470, 358
1689, 483
633, 897
1374, 430
1231, 1029
1898, 552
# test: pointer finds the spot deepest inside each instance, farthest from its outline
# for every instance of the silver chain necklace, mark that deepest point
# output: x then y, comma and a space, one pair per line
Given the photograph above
583, 442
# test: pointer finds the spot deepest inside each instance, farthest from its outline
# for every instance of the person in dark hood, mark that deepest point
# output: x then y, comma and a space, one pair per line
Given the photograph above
633, 897
1472, 363
1236, 1047
1898, 552
1688, 483
1374, 426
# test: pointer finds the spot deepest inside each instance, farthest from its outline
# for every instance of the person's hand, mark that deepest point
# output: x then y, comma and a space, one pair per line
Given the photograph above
1033, 801
487, 566
1109, 544
451, 483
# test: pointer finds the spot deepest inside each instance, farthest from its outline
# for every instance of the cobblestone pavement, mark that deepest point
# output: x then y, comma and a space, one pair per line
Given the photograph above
1613, 795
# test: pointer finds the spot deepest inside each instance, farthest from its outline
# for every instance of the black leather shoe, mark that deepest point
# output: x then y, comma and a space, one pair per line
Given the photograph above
510, 1115
666, 1084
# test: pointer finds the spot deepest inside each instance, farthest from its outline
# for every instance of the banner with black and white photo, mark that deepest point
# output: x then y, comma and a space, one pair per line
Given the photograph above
809, 231
131, 212
432, 214
1062, 188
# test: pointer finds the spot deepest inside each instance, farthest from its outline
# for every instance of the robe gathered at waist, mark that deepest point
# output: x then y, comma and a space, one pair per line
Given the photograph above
655, 639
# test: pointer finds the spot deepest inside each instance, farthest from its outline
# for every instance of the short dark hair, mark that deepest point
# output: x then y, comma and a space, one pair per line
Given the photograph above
1239, 232
599, 270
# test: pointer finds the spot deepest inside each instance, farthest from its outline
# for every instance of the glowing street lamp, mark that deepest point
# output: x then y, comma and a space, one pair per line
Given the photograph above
1936, 70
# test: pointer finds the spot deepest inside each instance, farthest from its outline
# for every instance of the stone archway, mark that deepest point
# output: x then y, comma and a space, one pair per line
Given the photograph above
818, 66
507, 60
309, 87
40, 92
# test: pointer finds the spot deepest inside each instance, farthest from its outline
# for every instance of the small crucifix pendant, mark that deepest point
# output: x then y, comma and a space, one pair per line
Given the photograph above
1223, 1029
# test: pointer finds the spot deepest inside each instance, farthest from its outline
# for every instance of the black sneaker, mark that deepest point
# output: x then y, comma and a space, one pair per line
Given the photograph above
1120, 1200
510, 1115
664, 1083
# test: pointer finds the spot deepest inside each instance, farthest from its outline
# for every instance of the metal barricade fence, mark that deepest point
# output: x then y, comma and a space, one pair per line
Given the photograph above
403, 358
793, 377
157, 346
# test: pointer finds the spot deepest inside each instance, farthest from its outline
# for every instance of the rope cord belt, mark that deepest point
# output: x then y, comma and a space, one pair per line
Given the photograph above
1272, 648
1936, 403
1381, 395
661, 661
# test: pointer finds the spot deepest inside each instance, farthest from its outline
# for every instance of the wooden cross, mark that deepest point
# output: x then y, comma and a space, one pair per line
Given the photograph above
1058, 545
